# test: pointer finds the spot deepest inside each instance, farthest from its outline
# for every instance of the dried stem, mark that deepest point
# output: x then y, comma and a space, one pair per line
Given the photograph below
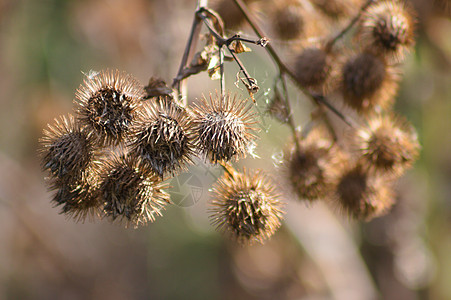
327, 122
202, 3
249, 79
260, 34
221, 42
290, 114
351, 23
190, 46
207, 23
322, 100
283, 69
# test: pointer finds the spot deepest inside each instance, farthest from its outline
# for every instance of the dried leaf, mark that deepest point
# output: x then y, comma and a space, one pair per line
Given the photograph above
201, 61
157, 87
251, 86
239, 47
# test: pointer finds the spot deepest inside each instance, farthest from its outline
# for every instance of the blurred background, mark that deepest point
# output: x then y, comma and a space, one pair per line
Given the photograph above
45, 45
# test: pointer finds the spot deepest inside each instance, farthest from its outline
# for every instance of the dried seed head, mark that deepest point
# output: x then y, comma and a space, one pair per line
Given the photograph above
130, 192
222, 127
312, 169
387, 28
368, 82
388, 145
312, 67
288, 20
362, 195
78, 198
66, 149
107, 103
246, 206
161, 137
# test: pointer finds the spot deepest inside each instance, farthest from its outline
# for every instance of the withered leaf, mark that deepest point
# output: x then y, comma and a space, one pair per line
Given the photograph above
157, 87
239, 47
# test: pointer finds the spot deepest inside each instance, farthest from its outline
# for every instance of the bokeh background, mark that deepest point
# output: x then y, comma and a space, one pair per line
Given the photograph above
45, 45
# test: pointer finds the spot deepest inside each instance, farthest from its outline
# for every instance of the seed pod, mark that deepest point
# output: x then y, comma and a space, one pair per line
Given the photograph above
67, 149
387, 145
107, 103
222, 127
130, 192
312, 169
387, 28
288, 20
246, 206
161, 137
368, 82
362, 195
78, 198
312, 67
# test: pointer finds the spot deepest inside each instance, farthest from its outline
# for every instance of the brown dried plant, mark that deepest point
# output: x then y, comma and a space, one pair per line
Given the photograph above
145, 135
246, 206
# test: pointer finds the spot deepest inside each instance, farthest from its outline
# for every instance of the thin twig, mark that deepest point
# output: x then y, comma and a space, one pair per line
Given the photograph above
321, 99
202, 3
249, 79
260, 42
259, 33
283, 69
213, 31
221, 70
328, 123
350, 25
190, 45
221, 42
290, 113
